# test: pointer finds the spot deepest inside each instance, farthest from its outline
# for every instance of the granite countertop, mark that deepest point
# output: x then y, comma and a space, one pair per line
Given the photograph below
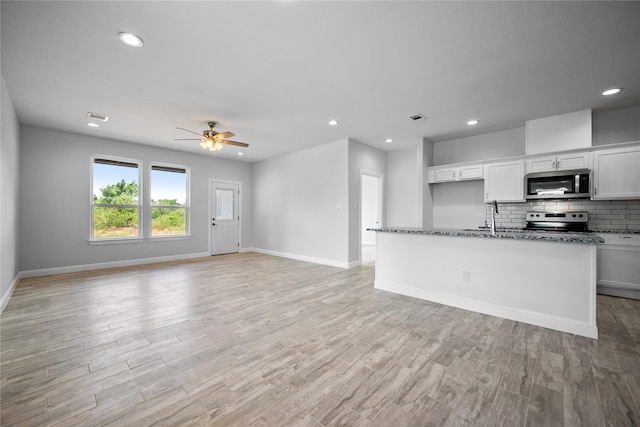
617, 231
587, 238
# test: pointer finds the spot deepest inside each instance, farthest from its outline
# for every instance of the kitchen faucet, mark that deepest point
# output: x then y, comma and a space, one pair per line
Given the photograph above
494, 211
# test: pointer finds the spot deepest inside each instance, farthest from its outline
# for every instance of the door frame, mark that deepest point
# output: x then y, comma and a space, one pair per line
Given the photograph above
210, 211
380, 178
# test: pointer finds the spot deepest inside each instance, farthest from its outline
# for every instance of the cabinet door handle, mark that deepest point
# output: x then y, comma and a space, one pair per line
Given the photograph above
625, 237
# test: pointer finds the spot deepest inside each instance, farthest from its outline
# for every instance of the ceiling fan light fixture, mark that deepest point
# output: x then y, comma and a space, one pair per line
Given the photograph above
210, 143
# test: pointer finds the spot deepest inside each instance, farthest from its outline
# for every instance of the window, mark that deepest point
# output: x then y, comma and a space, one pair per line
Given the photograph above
169, 200
224, 203
115, 202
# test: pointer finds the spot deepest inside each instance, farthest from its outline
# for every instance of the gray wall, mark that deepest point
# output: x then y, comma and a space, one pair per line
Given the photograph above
609, 127
619, 125
487, 146
458, 204
9, 196
403, 188
301, 204
55, 202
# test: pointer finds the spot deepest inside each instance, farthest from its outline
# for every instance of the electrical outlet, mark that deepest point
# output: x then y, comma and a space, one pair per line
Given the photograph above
624, 216
466, 276
152, 246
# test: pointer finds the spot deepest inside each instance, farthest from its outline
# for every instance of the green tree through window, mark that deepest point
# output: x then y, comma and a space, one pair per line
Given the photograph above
115, 207
169, 200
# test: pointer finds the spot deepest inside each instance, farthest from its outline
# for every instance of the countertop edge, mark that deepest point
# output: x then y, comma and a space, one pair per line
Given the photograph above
582, 238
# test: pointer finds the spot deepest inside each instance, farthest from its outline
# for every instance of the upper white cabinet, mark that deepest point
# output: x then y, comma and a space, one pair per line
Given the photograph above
617, 174
455, 173
559, 133
504, 181
560, 162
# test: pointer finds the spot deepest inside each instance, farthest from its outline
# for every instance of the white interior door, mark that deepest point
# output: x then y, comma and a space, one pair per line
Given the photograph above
225, 218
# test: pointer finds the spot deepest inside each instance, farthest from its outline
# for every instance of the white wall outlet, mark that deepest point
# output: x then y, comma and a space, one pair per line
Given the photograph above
152, 246
339, 206
624, 216
466, 276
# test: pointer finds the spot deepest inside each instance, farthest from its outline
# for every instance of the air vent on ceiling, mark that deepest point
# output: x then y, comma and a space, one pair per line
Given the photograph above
415, 117
96, 116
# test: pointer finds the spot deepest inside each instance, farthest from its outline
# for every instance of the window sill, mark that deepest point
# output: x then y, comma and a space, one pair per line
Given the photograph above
176, 237
98, 242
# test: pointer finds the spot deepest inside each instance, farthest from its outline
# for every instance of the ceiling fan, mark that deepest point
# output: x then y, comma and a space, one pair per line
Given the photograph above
212, 140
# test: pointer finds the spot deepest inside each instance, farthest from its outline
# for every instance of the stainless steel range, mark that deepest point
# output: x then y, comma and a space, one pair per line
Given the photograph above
572, 221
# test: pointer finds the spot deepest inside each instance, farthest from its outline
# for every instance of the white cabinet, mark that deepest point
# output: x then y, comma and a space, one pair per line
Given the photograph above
504, 181
619, 265
559, 163
616, 174
455, 173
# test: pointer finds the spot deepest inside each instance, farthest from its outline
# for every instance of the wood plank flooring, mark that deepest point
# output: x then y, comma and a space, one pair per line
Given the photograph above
251, 339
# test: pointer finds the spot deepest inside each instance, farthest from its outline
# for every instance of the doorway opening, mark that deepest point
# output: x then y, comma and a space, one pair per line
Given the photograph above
370, 214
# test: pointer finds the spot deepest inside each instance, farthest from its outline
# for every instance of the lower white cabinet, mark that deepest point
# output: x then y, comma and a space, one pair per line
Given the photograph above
619, 265
504, 181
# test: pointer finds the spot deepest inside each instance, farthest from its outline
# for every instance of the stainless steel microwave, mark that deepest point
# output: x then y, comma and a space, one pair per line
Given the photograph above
572, 184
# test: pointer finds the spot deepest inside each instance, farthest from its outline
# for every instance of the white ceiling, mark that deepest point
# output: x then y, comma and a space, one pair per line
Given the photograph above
275, 73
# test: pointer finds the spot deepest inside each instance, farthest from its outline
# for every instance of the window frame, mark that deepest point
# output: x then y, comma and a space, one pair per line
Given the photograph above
92, 205
186, 206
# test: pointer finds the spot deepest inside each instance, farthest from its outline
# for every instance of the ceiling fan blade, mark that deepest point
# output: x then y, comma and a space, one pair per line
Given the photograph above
223, 135
196, 133
187, 139
239, 144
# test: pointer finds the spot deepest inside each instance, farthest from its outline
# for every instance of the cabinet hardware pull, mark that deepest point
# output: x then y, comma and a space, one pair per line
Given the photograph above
625, 237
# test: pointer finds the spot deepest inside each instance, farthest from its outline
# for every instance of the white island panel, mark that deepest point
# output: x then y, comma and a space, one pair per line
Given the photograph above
544, 283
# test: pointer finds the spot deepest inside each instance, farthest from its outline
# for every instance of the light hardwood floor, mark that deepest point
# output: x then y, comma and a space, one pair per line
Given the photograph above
251, 339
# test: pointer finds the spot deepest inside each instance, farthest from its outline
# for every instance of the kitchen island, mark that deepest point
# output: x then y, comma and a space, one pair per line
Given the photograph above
541, 278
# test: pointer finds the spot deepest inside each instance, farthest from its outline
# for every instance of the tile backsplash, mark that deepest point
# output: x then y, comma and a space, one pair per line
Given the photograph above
603, 214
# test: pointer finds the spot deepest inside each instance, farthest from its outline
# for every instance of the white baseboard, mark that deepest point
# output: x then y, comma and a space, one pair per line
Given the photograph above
7, 295
323, 261
538, 319
113, 264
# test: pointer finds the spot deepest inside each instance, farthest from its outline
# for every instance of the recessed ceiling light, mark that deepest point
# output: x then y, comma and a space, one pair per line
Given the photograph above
93, 125
333, 122
240, 153
130, 39
388, 140
473, 122
612, 91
